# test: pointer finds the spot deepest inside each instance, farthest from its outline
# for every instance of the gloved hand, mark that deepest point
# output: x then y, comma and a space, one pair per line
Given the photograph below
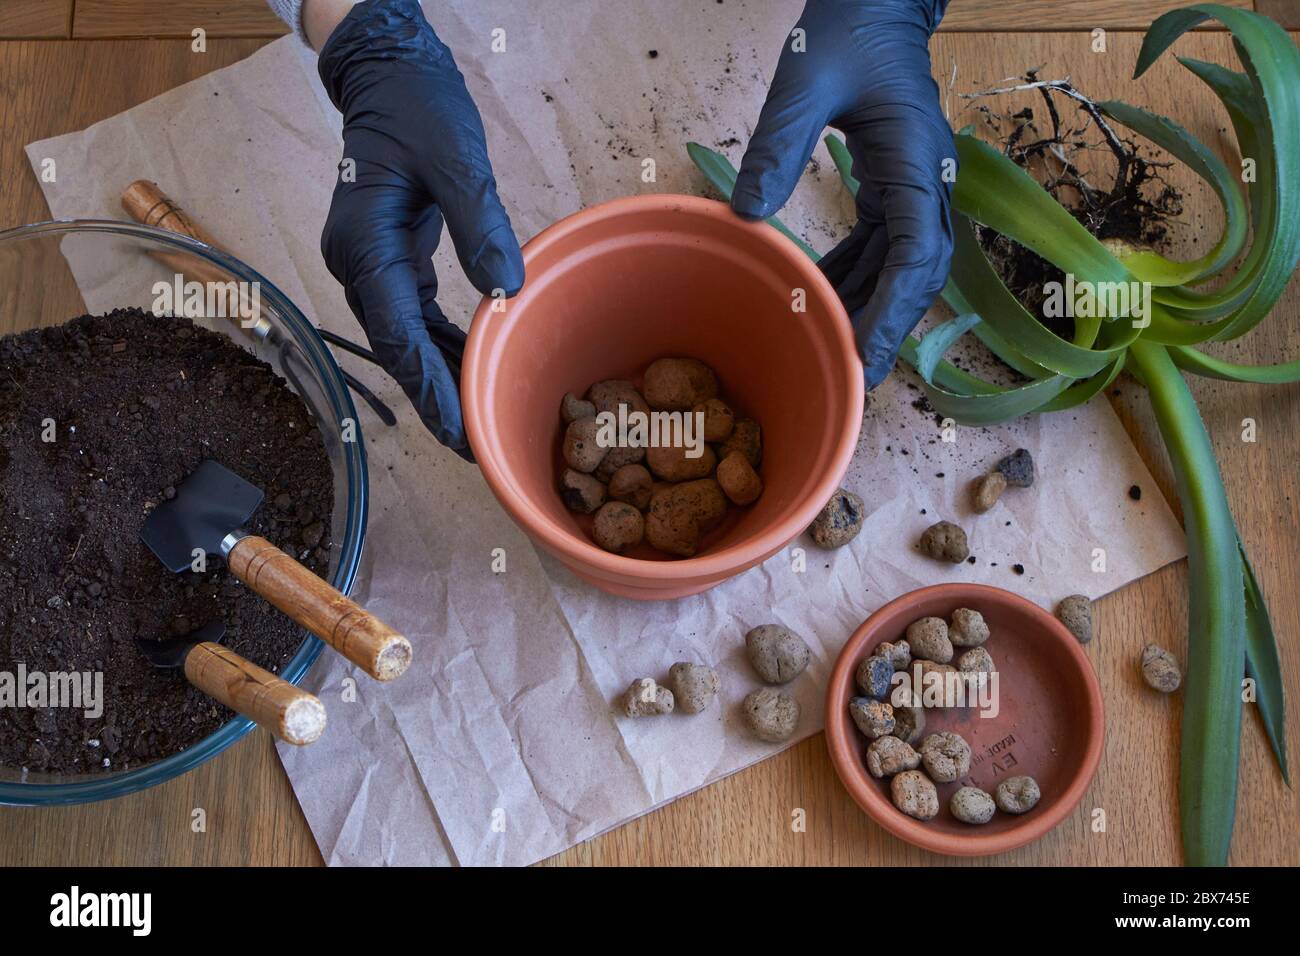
865, 71
417, 141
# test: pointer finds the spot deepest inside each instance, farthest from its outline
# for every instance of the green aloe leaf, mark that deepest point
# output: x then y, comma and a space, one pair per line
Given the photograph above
843, 162
1264, 666
719, 171
1194, 360
1168, 135
1272, 65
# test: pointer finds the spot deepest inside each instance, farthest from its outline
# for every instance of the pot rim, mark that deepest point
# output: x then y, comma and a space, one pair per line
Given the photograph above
570, 547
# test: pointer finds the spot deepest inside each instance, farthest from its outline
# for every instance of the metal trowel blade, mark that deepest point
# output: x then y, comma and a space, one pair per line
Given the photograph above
172, 651
212, 502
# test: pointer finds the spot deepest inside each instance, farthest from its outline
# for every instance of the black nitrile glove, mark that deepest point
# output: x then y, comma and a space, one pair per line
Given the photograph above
417, 141
866, 72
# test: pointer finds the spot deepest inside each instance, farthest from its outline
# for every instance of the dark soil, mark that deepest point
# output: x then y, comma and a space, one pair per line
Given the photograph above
1134, 207
138, 401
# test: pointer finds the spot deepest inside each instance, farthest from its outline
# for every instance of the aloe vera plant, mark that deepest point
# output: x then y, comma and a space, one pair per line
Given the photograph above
1230, 636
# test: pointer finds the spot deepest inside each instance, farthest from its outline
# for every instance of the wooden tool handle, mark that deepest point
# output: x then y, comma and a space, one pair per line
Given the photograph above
289, 712
342, 624
145, 202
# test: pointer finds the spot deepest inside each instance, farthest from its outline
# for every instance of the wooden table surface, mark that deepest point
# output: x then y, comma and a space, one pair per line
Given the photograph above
66, 64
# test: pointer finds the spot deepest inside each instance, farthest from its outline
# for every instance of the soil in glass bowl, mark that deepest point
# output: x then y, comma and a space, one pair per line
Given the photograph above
133, 403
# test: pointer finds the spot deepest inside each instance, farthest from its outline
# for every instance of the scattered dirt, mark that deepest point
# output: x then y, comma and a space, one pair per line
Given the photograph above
137, 402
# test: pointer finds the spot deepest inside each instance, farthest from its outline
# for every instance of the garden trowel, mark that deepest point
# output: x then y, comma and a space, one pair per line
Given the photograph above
206, 518
288, 712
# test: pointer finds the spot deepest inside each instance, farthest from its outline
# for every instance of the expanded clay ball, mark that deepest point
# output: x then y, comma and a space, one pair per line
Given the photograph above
888, 755
771, 715
739, 480
645, 698
986, 491
898, 653
874, 675
1018, 468
618, 526
618, 457
581, 492
915, 795
909, 724
946, 756
1075, 612
678, 384
928, 639
1017, 794
839, 521
694, 686
719, 419
944, 541
1160, 669
747, 438
671, 463
680, 514
607, 396
976, 660
581, 451
874, 718
967, 628
632, 484
778, 654
972, 805
572, 408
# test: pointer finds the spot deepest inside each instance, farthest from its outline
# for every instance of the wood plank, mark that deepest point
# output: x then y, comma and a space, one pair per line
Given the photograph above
1285, 12
165, 18
22, 19
1046, 15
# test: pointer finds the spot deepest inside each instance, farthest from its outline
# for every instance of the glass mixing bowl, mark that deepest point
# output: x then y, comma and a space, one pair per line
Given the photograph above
53, 271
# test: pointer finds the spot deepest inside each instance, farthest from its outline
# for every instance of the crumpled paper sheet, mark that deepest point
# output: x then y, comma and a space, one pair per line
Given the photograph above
501, 744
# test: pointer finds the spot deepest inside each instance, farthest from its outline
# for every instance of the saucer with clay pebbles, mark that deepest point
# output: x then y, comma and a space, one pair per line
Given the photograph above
1048, 723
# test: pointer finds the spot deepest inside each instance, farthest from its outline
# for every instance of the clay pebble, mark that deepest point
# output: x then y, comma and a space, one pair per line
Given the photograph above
645, 698
608, 395
875, 675
719, 419
632, 484
928, 640
572, 408
747, 438
1160, 669
987, 490
945, 541
1018, 468
915, 795
694, 686
967, 628
778, 654
771, 715
674, 463
839, 521
873, 718
738, 479
976, 661
909, 723
946, 756
972, 805
678, 384
1075, 612
582, 452
898, 653
618, 526
888, 755
1017, 795
581, 492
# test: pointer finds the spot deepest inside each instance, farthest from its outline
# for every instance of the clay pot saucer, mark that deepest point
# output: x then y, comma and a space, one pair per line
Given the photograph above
1048, 726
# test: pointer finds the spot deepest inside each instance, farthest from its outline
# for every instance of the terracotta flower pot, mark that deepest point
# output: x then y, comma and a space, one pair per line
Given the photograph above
618, 285
1048, 726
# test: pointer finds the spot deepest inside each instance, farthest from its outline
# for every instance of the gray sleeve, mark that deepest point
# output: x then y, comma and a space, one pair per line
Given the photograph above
290, 11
